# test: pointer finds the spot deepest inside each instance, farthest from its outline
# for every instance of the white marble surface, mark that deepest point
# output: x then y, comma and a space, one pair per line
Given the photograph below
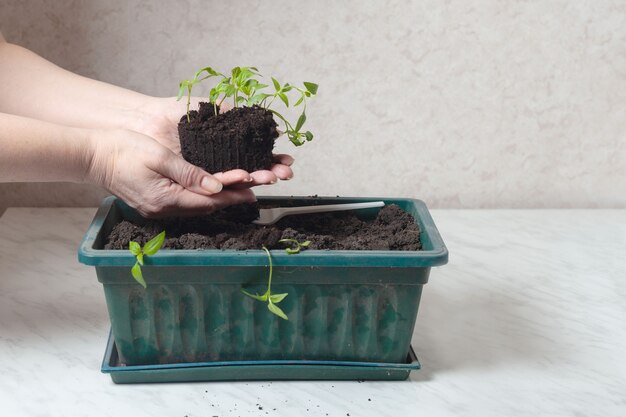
527, 319
470, 104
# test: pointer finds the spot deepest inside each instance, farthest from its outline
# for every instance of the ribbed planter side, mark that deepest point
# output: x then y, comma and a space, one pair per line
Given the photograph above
169, 323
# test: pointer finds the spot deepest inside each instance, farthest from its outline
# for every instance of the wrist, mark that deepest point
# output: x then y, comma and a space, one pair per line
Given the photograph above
97, 154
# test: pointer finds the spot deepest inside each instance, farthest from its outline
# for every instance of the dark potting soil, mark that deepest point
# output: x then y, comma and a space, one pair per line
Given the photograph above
240, 138
392, 229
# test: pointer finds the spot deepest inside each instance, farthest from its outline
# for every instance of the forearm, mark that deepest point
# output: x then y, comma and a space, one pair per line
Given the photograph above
32, 150
32, 87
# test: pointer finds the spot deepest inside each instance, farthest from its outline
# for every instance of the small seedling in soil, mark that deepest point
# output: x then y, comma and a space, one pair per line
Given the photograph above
296, 246
245, 89
150, 248
271, 299
243, 137
187, 85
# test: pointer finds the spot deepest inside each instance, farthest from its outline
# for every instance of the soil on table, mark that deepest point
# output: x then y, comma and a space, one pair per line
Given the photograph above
392, 229
240, 138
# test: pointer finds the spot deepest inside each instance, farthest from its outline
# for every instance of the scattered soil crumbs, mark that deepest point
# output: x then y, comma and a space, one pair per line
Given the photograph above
392, 229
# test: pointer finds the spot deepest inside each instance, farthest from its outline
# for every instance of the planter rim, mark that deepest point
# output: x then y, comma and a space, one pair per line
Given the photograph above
434, 253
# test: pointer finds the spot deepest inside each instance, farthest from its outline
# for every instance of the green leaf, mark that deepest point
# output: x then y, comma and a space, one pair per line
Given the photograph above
284, 98
300, 122
153, 245
291, 251
255, 296
276, 310
305, 243
134, 248
276, 84
140, 258
230, 90
311, 87
213, 95
223, 83
287, 88
246, 91
294, 138
257, 98
277, 298
136, 272
181, 90
251, 83
308, 135
240, 99
221, 88
208, 70
245, 74
300, 100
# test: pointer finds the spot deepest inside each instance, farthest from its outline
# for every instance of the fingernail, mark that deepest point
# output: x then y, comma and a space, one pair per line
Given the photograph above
211, 185
273, 181
289, 161
249, 179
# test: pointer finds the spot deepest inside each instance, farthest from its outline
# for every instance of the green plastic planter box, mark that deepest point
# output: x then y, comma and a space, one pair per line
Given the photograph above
342, 305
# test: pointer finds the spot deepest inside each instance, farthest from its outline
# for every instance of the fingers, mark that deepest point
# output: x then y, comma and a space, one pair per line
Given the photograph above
283, 159
235, 176
186, 203
265, 177
190, 204
282, 172
189, 176
242, 179
201, 182
258, 178
281, 169
278, 171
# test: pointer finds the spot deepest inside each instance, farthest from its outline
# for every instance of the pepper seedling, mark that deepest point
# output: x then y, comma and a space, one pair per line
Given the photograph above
150, 248
188, 85
245, 89
271, 299
296, 246
295, 134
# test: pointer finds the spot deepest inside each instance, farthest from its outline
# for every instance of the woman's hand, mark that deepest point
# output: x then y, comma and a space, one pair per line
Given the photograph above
157, 182
160, 122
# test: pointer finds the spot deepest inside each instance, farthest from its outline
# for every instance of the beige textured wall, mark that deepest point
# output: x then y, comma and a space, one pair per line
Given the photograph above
460, 103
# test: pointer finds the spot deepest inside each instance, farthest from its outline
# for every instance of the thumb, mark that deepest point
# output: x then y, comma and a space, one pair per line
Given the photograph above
189, 176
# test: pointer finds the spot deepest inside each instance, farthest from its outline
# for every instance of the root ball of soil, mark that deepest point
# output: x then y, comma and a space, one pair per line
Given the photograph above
240, 138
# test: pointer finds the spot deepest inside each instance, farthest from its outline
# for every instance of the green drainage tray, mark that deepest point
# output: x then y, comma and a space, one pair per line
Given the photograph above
254, 370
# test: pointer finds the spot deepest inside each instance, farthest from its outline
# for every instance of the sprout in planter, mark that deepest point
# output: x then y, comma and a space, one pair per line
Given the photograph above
245, 89
150, 248
296, 246
272, 299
